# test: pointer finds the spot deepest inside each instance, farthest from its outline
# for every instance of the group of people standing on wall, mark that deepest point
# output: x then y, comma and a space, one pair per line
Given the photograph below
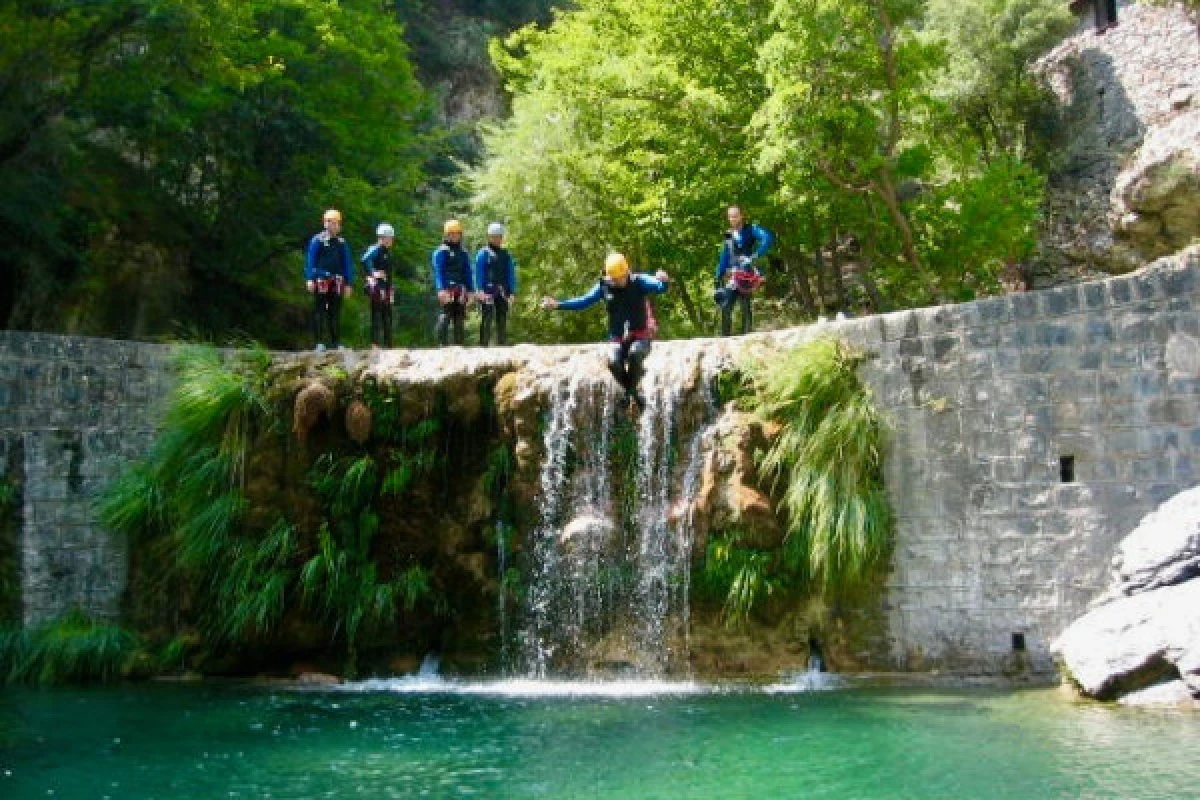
491, 281
329, 276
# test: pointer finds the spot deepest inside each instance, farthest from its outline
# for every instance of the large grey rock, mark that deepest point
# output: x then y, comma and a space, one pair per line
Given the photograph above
1135, 642
1163, 550
1156, 199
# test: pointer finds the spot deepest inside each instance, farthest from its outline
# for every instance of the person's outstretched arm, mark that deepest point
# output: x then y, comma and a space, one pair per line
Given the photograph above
368, 258
575, 303
658, 284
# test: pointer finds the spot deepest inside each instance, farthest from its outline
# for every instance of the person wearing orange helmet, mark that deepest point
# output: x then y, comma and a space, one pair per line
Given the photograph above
328, 276
453, 282
631, 325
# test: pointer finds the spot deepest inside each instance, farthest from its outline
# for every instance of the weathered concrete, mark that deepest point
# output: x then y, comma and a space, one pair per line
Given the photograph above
987, 399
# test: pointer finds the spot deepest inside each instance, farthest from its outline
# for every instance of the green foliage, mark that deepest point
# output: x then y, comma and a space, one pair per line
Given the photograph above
861, 131
826, 463
71, 649
186, 501
166, 159
628, 133
986, 80
10, 573
739, 577
342, 581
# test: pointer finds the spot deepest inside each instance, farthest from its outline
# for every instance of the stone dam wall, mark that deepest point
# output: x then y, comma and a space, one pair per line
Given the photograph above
73, 412
1031, 432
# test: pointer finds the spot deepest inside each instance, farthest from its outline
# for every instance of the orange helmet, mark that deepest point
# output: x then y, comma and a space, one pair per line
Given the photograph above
616, 266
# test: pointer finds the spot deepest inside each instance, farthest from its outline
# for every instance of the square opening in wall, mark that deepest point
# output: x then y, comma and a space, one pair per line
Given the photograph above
1018, 642
1066, 469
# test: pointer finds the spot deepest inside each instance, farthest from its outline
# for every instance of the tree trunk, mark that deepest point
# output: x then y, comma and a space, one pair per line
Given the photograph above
819, 280
801, 288
835, 272
689, 306
878, 303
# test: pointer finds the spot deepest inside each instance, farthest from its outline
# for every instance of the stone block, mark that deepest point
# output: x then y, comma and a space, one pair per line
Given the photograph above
1061, 301
1024, 306
1120, 291
994, 311
1056, 335
1094, 296
1099, 331
1147, 286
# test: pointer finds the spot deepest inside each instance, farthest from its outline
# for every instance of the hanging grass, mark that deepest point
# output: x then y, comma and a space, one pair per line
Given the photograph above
740, 578
826, 463
186, 501
71, 649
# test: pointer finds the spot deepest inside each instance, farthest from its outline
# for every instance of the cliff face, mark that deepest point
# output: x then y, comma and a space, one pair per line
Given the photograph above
1127, 186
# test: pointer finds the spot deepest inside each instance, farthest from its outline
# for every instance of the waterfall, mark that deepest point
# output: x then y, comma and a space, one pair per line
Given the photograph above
608, 581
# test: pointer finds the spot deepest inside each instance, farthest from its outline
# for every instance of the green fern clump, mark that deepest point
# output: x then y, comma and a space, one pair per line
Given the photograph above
739, 577
69, 650
826, 463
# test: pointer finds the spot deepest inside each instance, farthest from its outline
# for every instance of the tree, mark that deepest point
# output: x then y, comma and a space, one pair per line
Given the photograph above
629, 132
197, 143
870, 152
986, 80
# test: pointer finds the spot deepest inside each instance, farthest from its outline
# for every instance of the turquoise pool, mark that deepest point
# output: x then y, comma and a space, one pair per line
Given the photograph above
198, 742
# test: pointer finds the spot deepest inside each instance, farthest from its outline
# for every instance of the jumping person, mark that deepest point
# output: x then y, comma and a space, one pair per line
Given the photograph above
496, 279
452, 281
739, 271
630, 320
328, 276
381, 288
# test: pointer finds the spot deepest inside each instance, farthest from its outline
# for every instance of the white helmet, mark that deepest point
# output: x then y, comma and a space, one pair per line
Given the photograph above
495, 229
385, 230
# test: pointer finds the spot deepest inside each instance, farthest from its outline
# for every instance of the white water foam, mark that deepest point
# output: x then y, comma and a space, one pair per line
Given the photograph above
529, 688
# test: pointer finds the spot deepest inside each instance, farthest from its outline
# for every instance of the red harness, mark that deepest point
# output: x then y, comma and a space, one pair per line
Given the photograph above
646, 334
332, 285
747, 280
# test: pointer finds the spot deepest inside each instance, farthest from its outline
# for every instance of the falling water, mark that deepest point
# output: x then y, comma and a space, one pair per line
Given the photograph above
609, 583
502, 594
539, 644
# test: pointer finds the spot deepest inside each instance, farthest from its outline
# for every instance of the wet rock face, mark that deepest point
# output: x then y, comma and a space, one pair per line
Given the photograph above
731, 496
1126, 186
1145, 633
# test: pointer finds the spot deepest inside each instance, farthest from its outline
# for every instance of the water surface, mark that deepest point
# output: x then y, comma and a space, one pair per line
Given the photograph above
407, 740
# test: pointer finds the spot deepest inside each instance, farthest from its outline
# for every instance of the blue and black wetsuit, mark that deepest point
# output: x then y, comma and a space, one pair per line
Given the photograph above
378, 259
452, 273
744, 248
629, 329
330, 266
496, 276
